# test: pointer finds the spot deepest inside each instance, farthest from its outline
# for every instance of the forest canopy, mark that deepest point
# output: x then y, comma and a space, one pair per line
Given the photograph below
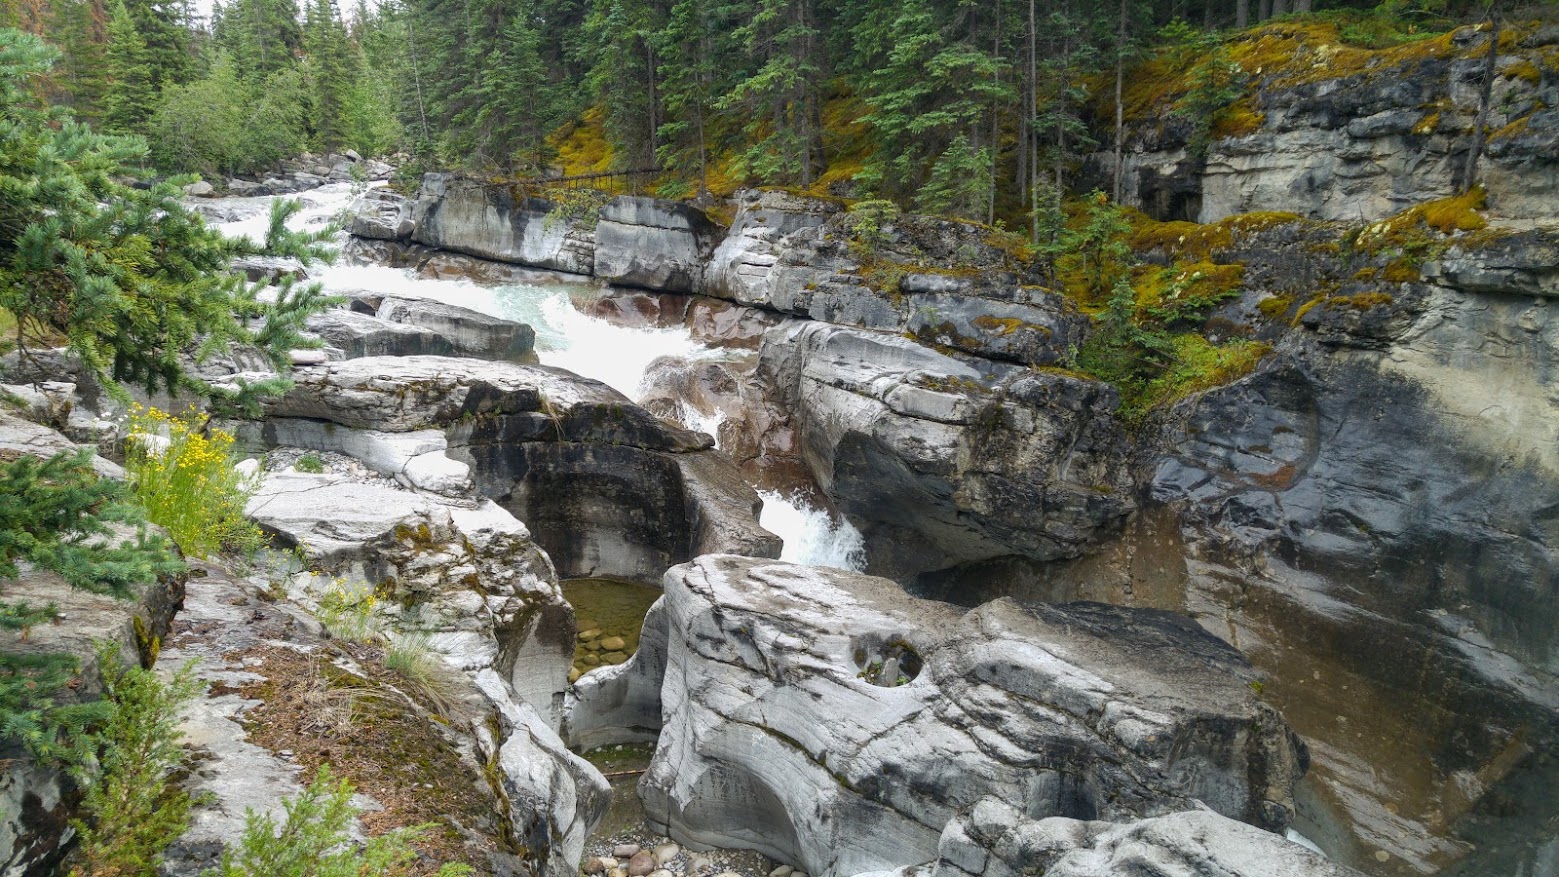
979, 109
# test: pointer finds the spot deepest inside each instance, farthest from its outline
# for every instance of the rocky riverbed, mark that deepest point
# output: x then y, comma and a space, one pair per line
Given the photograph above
1046, 633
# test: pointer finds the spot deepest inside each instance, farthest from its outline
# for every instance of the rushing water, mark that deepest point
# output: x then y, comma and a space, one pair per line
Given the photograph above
566, 337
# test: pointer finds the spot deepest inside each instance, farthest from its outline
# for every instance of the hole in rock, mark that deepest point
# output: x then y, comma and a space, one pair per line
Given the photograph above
888, 664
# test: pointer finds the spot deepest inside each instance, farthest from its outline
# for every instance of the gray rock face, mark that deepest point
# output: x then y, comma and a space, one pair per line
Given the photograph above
827, 720
470, 333
380, 214
607, 488
653, 243
491, 223
481, 586
996, 840
790, 254
941, 465
1362, 146
36, 803
742, 266
357, 335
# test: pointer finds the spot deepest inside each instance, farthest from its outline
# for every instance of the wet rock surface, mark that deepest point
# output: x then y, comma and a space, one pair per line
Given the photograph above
609, 489
825, 719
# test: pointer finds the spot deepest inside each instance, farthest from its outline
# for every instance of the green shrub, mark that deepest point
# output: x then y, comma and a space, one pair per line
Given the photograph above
310, 463
312, 841
132, 810
55, 514
188, 484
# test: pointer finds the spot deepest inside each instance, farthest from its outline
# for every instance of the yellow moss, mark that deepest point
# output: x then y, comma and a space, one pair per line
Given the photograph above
1427, 124
1307, 307
1187, 285
1239, 120
1401, 271
1201, 240
1458, 213
1274, 307
1515, 128
582, 145
1524, 70
1200, 365
1362, 301
1367, 273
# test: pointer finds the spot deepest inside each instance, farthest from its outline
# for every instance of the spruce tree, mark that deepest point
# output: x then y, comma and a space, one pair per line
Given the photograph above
131, 95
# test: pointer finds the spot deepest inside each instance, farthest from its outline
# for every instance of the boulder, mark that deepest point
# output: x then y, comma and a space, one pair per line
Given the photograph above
494, 222
470, 333
825, 718
357, 335
381, 214
940, 464
995, 840
484, 589
653, 243
200, 189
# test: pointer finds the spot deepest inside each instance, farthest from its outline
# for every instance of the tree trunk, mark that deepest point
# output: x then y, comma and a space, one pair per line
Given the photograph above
1265, 10
1031, 141
1470, 172
1242, 13
1301, 5
1120, 107
1279, 7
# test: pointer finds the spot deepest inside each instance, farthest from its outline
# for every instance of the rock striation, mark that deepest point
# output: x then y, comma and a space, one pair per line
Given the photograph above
826, 720
941, 464
996, 840
608, 489
1360, 144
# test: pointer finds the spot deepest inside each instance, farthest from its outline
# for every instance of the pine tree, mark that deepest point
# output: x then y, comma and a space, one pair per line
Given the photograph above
510, 107
131, 278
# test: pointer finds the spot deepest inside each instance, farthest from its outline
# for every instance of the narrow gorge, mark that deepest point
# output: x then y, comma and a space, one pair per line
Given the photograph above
797, 529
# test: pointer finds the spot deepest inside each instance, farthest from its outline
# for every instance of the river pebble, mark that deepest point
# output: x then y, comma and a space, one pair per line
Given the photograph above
625, 851
666, 852
641, 864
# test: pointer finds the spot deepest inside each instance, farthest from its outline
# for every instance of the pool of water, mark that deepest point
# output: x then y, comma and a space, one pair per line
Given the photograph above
611, 615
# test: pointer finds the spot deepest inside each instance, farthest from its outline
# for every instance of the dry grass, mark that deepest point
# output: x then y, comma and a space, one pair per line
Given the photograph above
373, 735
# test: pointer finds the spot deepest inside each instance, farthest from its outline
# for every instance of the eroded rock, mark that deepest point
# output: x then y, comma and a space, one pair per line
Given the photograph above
824, 718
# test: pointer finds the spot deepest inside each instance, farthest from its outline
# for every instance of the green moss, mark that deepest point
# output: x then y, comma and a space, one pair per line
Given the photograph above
1200, 365
1274, 307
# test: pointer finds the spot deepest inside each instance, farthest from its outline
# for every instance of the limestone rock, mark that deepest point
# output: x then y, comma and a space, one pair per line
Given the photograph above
653, 243
357, 335
381, 215
941, 464
488, 592
491, 223
470, 333
995, 840
555, 798
607, 488
825, 718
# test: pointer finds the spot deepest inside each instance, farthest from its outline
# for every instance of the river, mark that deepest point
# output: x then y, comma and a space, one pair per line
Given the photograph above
566, 337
